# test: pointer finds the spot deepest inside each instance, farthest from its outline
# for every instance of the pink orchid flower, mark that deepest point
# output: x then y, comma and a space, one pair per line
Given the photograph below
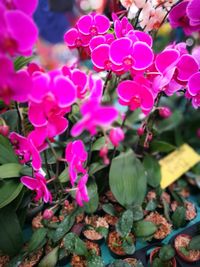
116, 135
38, 184
12, 39
135, 95
193, 91
94, 115
81, 192
13, 85
121, 27
133, 55
76, 156
75, 39
26, 150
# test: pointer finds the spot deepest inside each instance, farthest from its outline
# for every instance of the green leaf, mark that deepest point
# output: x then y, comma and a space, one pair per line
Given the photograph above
27, 171
195, 243
9, 190
65, 225
129, 248
7, 154
119, 263
95, 167
92, 205
64, 176
166, 253
95, 261
178, 217
157, 263
161, 146
109, 209
10, 170
38, 239
151, 205
11, 238
102, 231
50, 259
127, 179
21, 62
144, 228
171, 123
11, 119
137, 212
75, 245
125, 223
152, 168
99, 143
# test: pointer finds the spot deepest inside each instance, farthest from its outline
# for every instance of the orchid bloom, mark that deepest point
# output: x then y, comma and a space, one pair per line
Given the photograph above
75, 155
12, 39
38, 184
193, 91
13, 85
116, 135
26, 150
135, 95
81, 192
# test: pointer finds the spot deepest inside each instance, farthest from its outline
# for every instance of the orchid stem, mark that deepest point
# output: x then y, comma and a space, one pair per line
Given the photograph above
19, 118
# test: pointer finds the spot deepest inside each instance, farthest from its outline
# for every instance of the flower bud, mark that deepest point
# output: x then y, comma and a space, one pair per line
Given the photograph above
116, 136
140, 131
4, 130
47, 214
165, 112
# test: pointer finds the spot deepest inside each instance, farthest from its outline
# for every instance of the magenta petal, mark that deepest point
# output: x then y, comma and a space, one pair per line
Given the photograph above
79, 198
40, 87
144, 37
120, 49
22, 28
127, 89
96, 90
96, 41
102, 23
36, 159
27, 7
65, 91
84, 24
143, 55
29, 182
186, 66
79, 78
166, 59
56, 125
100, 55
22, 85
105, 115
194, 84
79, 149
78, 128
147, 100
36, 115
193, 13
71, 36
176, 13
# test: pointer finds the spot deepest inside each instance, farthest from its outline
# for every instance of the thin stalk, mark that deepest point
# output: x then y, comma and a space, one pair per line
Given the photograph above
19, 118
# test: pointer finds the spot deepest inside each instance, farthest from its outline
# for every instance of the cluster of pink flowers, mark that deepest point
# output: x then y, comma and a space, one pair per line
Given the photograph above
186, 15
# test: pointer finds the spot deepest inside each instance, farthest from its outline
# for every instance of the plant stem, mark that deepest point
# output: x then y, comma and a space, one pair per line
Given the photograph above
46, 164
19, 118
106, 81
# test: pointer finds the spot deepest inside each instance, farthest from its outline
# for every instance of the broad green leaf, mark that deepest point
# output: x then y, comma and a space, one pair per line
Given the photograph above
161, 146
144, 228
129, 248
11, 119
9, 190
109, 208
92, 205
37, 239
95, 261
99, 143
119, 263
10, 170
75, 245
127, 179
50, 259
152, 168
95, 167
170, 123
166, 253
137, 212
65, 225
64, 176
195, 243
11, 238
178, 217
125, 223
7, 154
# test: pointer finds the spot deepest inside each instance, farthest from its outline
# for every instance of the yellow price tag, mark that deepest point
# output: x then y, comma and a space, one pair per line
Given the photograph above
177, 163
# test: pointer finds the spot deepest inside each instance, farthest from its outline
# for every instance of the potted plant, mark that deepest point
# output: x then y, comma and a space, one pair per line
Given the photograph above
187, 247
163, 257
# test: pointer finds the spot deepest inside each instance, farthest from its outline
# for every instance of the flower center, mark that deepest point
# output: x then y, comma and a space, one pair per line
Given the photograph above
128, 62
93, 30
78, 42
135, 102
107, 65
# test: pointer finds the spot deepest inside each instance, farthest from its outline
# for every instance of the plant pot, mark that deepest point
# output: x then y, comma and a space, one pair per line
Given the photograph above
131, 261
115, 244
155, 252
183, 240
